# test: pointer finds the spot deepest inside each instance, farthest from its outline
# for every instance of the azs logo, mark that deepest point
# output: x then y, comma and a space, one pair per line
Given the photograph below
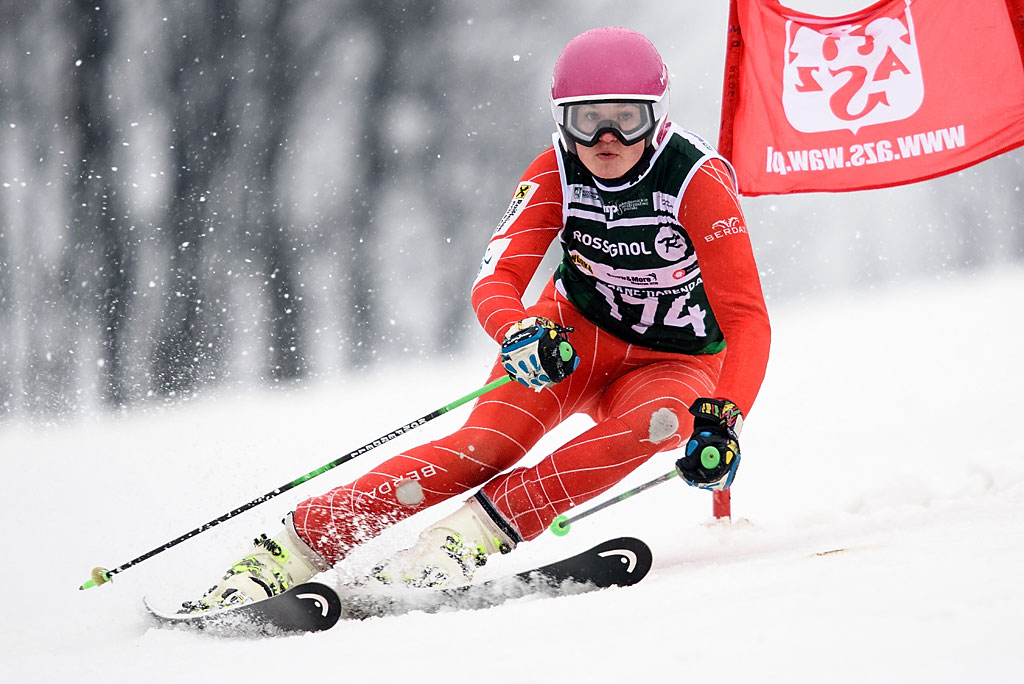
851, 76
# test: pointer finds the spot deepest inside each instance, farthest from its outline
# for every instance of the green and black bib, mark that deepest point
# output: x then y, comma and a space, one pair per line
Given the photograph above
628, 264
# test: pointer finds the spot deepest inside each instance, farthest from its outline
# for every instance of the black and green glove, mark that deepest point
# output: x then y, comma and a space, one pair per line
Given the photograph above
713, 450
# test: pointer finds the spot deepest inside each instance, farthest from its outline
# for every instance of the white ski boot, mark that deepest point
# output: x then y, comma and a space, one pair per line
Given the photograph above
448, 553
274, 567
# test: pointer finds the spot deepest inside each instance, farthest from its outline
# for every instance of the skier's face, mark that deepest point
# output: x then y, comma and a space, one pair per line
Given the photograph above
609, 158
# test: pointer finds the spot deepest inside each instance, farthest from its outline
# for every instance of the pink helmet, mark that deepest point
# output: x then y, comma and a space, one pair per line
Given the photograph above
609, 64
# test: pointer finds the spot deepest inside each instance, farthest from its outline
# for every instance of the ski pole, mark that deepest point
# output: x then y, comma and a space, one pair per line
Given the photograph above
102, 575
560, 525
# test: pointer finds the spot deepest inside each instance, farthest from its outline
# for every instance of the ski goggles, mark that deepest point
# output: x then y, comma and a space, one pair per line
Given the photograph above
629, 121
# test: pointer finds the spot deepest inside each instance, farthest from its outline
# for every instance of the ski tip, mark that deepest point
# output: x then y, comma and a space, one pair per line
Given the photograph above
560, 526
308, 607
627, 560
98, 576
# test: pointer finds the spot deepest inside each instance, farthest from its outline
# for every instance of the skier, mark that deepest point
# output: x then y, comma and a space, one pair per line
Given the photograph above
653, 324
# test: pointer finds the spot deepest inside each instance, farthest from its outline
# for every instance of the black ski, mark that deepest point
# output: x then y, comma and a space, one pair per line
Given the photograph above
309, 607
617, 562
313, 607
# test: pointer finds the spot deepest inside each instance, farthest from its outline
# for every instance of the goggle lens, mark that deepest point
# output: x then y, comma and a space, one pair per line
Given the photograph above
630, 122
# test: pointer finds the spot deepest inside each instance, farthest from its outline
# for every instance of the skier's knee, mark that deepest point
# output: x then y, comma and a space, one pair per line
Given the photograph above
664, 423
409, 493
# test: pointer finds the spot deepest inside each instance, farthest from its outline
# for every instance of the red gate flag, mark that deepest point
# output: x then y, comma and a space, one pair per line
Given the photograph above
899, 92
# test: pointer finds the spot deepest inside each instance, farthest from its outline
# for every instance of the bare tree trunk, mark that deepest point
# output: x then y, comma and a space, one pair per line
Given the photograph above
401, 29
99, 215
188, 349
280, 71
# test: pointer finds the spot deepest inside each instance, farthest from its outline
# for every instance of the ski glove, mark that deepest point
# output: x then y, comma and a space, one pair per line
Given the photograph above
713, 451
537, 354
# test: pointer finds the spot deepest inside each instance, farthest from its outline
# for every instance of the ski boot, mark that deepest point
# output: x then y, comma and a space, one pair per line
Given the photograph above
448, 553
275, 566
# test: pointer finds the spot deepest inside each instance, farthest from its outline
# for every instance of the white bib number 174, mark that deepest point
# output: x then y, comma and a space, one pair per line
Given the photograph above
674, 317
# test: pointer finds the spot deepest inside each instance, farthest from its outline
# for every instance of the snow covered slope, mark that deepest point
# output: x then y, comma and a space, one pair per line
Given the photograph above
878, 530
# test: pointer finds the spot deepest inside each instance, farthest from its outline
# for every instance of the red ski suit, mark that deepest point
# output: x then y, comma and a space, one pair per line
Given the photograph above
638, 397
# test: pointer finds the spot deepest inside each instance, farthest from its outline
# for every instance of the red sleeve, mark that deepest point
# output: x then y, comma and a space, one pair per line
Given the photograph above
711, 214
532, 221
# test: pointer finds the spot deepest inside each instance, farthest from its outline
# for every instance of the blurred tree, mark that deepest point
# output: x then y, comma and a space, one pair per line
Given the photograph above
9, 352
401, 30
46, 344
97, 275
202, 71
285, 47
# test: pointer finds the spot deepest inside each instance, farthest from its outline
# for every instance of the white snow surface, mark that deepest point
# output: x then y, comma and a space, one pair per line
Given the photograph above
877, 532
